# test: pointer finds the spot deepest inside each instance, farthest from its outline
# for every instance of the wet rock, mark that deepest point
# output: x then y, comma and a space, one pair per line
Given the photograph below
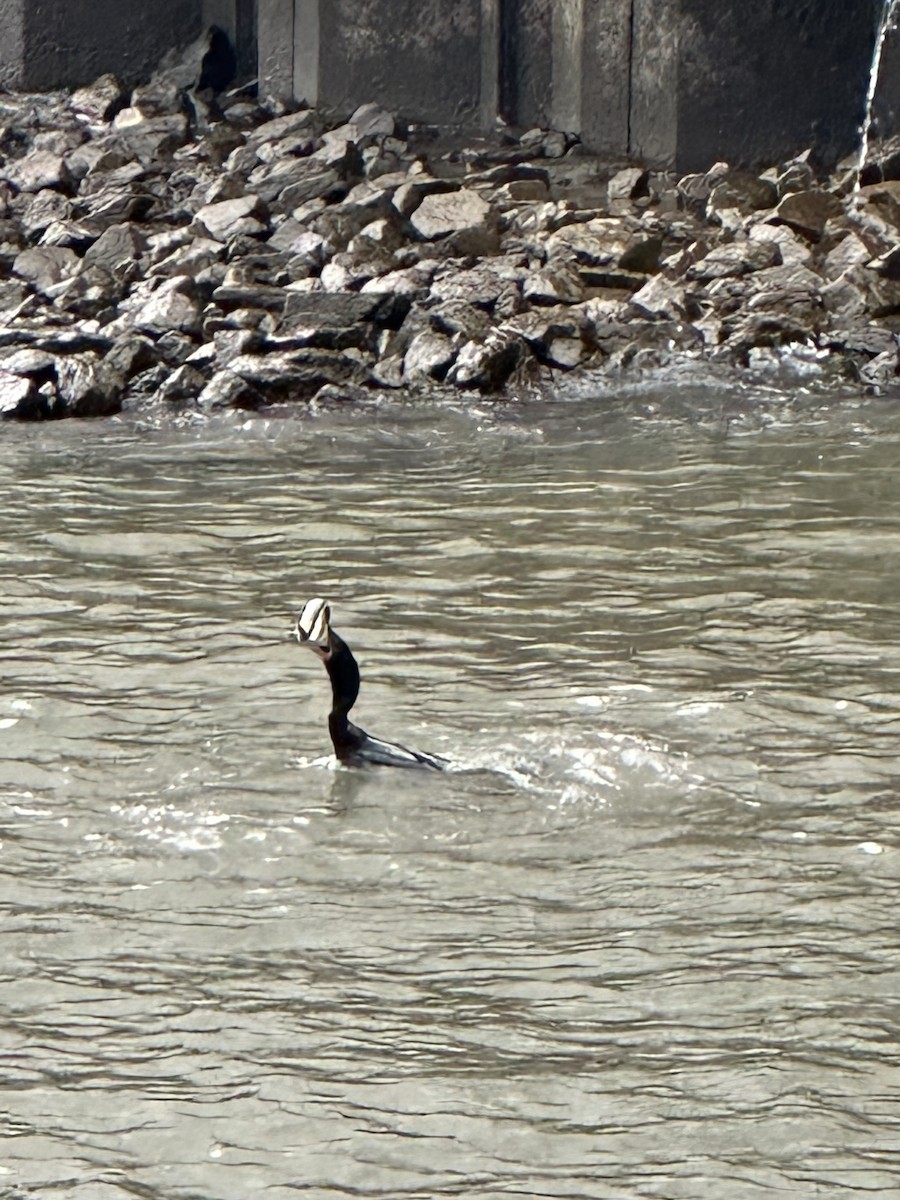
881, 372
185, 384
555, 336
86, 386
227, 390
342, 310
429, 357
20, 399
299, 374
487, 366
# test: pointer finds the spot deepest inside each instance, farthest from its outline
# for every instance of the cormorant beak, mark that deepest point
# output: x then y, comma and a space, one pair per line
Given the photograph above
312, 629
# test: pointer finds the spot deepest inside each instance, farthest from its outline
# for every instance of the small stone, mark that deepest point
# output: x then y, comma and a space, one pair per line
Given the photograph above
628, 184
370, 121
557, 283
808, 212
44, 266
409, 281
659, 298
97, 103
291, 124
464, 214
297, 375
43, 209
850, 252
40, 169
734, 259
116, 246
171, 306
231, 218
408, 196
38, 364
494, 289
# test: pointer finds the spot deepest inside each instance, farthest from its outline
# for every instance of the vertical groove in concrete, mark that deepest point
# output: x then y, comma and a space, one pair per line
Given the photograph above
276, 47
307, 50
221, 13
490, 63
568, 62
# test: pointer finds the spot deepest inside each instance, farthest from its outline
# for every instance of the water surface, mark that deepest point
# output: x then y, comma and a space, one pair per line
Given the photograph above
640, 941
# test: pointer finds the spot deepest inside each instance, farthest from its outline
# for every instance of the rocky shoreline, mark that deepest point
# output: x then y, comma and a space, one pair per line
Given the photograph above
174, 249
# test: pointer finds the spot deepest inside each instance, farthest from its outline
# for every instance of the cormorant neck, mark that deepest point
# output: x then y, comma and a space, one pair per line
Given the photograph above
344, 675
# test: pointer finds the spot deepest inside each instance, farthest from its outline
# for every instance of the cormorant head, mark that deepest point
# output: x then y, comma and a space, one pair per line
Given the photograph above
313, 627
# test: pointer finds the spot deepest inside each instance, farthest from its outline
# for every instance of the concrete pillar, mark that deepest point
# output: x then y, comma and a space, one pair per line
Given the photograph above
606, 64
429, 60
653, 85
275, 43
48, 44
12, 57
748, 83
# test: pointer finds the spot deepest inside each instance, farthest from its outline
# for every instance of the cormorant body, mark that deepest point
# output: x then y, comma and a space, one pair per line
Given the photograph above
352, 745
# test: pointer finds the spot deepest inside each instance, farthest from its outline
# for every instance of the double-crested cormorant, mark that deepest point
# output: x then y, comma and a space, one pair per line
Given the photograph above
352, 745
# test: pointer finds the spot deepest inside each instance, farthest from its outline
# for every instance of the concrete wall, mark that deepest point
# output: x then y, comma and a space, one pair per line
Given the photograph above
46, 44
670, 82
749, 82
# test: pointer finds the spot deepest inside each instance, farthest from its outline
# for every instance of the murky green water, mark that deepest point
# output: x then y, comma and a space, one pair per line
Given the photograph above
642, 941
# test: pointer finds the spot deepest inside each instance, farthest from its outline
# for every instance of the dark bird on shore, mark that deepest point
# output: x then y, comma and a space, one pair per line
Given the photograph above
352, 745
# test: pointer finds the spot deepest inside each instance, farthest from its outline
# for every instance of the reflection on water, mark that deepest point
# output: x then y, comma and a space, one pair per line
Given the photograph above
640, 941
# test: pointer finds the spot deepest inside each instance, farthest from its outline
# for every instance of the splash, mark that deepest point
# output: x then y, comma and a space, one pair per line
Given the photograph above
886, 25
